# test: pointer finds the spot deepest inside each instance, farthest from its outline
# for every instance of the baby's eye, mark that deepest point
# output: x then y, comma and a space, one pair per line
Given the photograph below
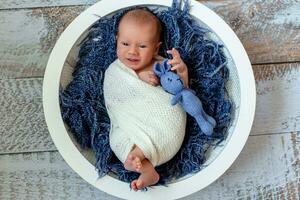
143, 46
125, 44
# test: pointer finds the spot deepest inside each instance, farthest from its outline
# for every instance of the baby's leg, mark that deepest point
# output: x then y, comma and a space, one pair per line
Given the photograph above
147, 178
134, 160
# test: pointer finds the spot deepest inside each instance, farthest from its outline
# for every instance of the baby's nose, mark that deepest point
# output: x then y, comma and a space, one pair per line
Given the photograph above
133, 50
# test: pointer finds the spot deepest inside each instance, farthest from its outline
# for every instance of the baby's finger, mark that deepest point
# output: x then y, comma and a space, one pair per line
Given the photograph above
174, 68
174, 53
179, 68
170, 51
174, 62
153, 80
152, 75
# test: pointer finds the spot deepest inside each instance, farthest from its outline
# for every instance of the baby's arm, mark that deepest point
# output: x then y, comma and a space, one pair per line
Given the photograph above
179, 66
149, 77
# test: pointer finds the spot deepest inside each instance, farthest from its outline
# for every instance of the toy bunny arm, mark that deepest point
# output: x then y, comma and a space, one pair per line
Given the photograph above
176, 98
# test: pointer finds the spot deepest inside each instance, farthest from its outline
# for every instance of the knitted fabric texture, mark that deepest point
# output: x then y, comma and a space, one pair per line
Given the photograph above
141, 115
82, 102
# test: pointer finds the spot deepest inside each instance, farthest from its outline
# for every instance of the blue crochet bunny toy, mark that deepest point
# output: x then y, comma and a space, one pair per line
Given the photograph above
173, 84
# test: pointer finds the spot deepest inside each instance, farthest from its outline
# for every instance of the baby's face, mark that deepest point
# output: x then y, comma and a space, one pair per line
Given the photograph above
137, 44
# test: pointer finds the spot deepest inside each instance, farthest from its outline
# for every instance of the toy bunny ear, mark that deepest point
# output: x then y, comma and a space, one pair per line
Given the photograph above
166, 65
158, 69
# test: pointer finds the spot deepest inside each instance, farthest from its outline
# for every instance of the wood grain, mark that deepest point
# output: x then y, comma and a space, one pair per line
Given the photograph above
26, 43
23, 128
278, 94
42, 176
267, 168
17, 4
22, 124
269, 33
269, 30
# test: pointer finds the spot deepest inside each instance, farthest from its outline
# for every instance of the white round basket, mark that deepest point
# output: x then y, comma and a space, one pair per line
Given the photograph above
241, 89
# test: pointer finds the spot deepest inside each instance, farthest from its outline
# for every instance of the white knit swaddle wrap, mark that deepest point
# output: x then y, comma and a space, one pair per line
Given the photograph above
141, 115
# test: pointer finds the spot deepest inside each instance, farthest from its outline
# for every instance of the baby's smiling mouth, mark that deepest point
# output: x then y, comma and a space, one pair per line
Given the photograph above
133, 59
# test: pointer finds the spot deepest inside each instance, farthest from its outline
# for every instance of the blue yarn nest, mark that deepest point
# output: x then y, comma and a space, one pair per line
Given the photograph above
82, 102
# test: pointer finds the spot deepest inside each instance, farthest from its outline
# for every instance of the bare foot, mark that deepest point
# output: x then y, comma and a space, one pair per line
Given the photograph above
147, 178
133, 163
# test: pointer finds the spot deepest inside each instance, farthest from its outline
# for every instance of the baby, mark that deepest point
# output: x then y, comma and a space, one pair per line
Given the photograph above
162, 126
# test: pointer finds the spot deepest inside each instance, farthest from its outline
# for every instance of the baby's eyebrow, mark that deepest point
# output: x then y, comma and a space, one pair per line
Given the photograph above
138, 43
145, 42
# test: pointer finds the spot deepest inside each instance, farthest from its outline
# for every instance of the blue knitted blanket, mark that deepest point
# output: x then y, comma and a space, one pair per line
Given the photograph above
82, 102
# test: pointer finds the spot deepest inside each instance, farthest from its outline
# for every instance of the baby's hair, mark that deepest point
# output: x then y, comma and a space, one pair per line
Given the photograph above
143, 16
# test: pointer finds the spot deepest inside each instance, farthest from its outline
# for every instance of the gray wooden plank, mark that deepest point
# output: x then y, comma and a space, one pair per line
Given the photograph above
17, 4
267, 168
269, 33
22, 124
269, 30
42, 176
23, 128
278, 94
27, 37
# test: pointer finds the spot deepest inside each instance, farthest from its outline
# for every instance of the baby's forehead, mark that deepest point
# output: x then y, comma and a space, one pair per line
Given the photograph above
139, 32
139, 15
138, 21
138, 24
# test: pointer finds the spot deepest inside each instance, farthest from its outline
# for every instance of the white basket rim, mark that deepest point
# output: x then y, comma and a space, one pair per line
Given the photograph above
118, 188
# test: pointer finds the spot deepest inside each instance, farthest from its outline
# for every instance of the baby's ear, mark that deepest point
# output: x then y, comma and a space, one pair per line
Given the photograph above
157, 47
158, 69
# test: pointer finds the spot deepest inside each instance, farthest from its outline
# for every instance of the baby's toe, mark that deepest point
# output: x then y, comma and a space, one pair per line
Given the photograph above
137, 163
130, 157
138, 168
134, 185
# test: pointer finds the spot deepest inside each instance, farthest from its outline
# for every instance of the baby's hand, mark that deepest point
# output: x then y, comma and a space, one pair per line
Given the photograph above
149, 77
178, 66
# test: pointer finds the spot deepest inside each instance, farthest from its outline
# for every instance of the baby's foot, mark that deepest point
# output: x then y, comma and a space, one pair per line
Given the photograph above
133, 163
146, 179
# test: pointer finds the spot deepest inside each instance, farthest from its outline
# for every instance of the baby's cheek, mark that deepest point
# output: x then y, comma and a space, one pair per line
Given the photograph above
119, 53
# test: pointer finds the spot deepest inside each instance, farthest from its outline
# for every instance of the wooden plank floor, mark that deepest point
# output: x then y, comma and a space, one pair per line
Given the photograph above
267, 168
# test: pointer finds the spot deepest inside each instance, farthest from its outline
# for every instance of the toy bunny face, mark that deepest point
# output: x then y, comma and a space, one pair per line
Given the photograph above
169, 80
